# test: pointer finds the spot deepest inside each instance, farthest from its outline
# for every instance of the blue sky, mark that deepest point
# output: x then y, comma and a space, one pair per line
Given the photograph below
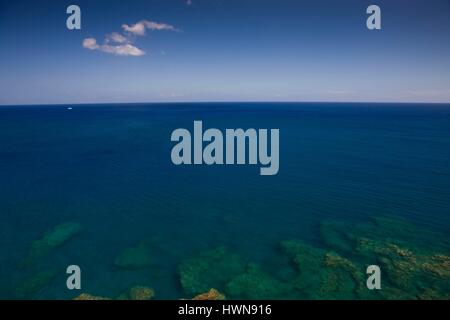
224, 50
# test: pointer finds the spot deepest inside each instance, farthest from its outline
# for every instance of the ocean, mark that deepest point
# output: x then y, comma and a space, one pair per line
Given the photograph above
358, 182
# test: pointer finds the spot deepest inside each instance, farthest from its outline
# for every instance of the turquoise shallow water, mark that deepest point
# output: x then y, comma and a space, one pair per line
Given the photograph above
108, 168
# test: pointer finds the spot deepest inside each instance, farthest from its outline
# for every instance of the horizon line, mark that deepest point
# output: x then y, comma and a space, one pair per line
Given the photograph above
219, 102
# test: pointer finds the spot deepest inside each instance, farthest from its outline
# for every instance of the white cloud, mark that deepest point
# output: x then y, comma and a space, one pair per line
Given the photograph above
90, 43
117, 38
120, 44
140, 27
123, 50
137, 28
120, 50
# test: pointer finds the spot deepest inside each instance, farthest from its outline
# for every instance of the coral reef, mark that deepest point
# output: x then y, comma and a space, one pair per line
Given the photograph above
212, 294
136, 257
210, 269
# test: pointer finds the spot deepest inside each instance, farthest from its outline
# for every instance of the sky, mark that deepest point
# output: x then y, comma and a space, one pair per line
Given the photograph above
224, 50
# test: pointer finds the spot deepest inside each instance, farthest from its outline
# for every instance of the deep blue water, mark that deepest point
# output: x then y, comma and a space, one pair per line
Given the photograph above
108, 168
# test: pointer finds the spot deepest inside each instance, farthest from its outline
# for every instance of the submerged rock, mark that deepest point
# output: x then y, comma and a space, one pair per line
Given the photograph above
137, 257
337, 236
323, 274
138, 293
35, 284
341, 278
52, 240
393, 226
210, 269
335, 261
407, 269
212, 294
308, 261
439, 265
255, 284
398, 230
141, 293
86, 296
376, 248
393, 293
305, 256
433, 294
